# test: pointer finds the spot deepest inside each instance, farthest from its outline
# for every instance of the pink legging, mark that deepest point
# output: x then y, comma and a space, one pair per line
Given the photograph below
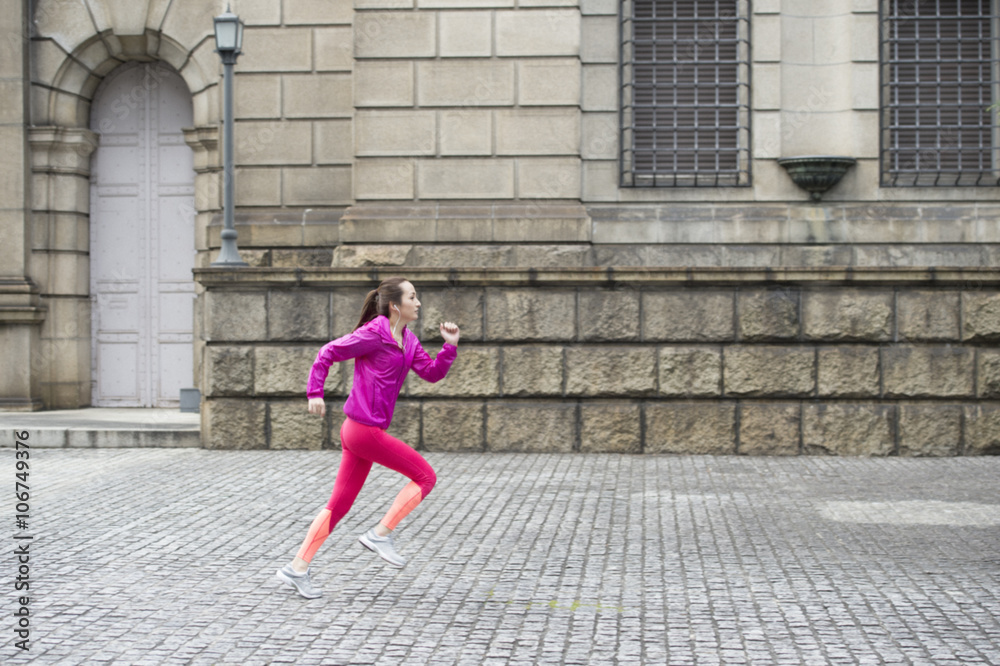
362, 446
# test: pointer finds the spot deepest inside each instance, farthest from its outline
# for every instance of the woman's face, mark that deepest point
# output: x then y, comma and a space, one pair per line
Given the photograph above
409, 309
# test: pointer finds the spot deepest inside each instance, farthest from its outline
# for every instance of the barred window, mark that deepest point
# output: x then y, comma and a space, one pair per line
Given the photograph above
939, 79
685, 93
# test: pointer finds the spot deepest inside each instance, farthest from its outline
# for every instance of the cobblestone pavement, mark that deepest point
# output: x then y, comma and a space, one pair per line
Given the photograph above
163, 556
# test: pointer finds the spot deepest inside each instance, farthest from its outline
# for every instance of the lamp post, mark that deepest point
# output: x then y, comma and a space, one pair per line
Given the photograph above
228, 44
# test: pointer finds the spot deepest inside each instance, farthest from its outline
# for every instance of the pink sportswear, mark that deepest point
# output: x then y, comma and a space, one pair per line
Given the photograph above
380, 367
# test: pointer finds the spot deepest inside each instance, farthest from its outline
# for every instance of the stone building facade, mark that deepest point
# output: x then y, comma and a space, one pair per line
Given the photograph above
590, 188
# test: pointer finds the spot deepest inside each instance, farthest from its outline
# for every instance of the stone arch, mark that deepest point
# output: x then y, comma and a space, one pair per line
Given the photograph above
77, 77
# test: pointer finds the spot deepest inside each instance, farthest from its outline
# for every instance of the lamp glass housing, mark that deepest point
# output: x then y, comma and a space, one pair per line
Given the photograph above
228, 32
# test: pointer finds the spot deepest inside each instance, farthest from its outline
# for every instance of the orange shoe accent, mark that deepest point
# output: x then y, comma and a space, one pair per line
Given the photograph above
407, 500
318, 532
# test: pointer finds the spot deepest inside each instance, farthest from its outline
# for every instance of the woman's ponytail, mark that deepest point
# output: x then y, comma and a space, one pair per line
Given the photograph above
369, 310
377, 301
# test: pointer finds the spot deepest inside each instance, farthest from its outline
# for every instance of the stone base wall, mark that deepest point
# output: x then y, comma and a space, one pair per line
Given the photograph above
808, 361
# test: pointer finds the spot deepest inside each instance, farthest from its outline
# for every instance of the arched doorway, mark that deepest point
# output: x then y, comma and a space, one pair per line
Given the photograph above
142, 245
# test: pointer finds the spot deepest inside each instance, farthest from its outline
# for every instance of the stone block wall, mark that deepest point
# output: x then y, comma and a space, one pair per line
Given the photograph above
467, 100
746, 362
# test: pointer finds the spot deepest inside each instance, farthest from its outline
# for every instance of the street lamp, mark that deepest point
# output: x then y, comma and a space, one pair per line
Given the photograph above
228, 44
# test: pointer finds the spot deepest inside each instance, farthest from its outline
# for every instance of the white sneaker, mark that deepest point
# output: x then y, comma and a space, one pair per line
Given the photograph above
300, 581
383, 547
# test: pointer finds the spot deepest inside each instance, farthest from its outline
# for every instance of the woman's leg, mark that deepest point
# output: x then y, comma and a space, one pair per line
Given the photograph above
351, 477
390, 452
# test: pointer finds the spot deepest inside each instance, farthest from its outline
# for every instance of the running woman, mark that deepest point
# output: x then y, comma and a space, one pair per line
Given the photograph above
383, 350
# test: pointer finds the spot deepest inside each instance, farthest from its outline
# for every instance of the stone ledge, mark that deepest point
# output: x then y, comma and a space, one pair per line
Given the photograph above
430, 223
310, 228
607, 276
22, 315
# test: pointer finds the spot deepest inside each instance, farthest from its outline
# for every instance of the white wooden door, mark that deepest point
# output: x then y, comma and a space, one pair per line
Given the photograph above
141, 239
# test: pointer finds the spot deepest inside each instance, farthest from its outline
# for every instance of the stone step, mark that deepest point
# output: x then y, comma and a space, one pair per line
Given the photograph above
103, 427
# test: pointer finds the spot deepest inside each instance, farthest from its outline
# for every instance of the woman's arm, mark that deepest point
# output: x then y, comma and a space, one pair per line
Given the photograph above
433, 370
360, 342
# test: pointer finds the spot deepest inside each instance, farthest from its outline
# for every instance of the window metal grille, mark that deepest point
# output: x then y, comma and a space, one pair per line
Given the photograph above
685, 93
939, 77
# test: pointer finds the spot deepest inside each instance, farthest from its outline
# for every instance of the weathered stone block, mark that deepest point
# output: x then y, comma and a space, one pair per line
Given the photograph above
257, 96
317, 95
235, 316
316, 186
981, 315
384, 179
475, 372
383, 83
682, 316
396, 132
769, 314
848, 372
924, 372
276, 50
928, 315
228, 371
298, 315
300, 258
454, 426
599, 136
466, 132
691, 427
527, 33
285, 370
530, 314
383, 4
406, 423
357, 256
466, 179
465, 83
847, 429
228, 423
531, 427
609, 315
334, 48
538, 132
334, 141
769, 370
598, 7
549, 82
402, 34
847, 314
930, 429
600, 88
598, 40
463, 4
273, 142
293, 427
988, 373
532, 370
769, 429
257, 187
465, 34
537, 223
690, 371
610, 427
982, 430
548, 178
610, 371
313, 12
462, 306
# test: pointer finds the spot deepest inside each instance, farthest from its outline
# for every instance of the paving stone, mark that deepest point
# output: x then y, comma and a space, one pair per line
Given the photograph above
167, 556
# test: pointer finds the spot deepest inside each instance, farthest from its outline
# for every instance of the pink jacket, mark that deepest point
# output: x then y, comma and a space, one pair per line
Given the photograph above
380, 367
